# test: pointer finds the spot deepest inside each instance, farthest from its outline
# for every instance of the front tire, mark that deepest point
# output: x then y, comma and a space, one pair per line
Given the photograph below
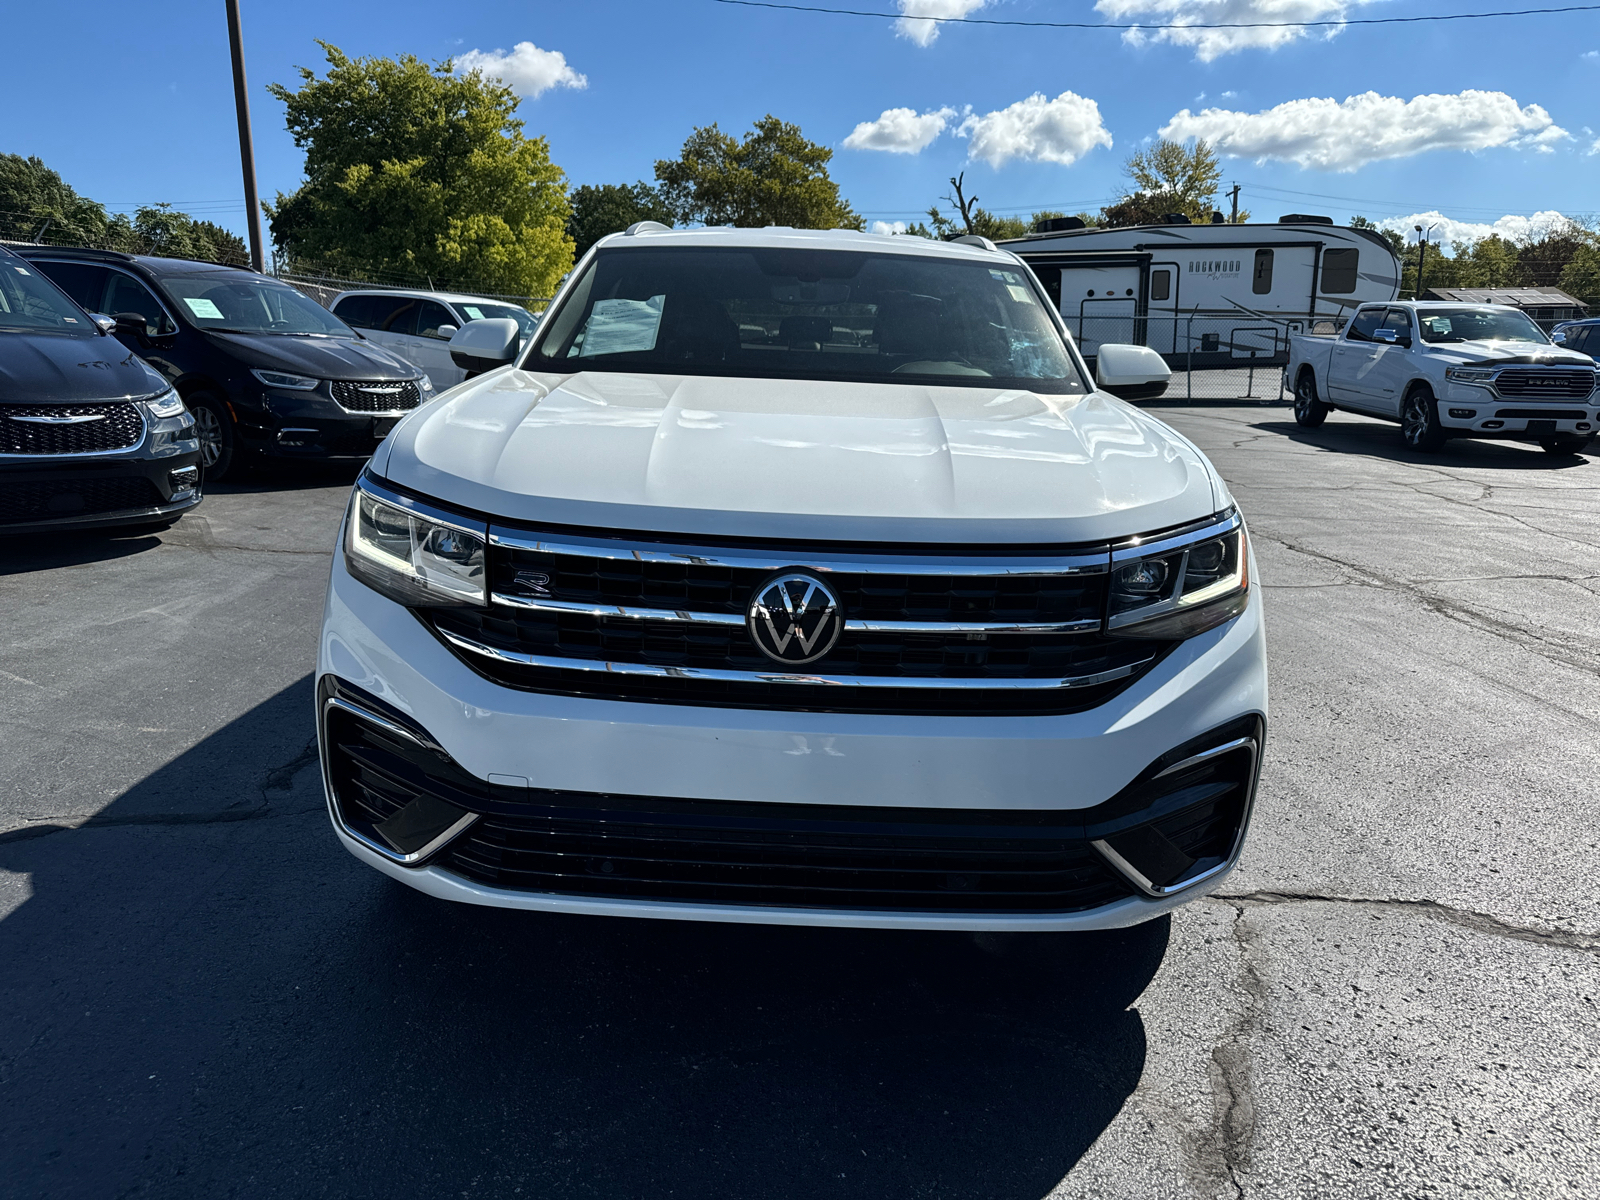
1419, 421
213, 425
1566, 443
1309, 412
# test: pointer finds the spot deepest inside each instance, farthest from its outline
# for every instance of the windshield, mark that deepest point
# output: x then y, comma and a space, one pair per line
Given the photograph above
239, 303
480, 310
30, 302
1478, 325
808, 314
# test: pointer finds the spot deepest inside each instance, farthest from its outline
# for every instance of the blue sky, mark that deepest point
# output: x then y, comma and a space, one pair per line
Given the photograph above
134, 104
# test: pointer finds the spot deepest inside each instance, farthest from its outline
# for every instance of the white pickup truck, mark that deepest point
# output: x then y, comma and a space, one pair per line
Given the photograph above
1447, 370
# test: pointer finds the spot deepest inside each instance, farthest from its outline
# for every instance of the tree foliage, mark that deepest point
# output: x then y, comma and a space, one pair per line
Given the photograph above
1168, 177
598, 210
775, 176
416, 169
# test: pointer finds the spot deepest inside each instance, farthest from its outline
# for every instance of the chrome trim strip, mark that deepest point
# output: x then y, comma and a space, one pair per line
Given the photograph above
411, 736
1126, 551
850, 681
730, 619
1133, 875
1096, 563
439, 516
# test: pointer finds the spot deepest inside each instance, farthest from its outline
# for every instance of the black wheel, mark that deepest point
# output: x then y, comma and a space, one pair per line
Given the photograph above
1419, 420
1309, 412
1566, 443
214, 427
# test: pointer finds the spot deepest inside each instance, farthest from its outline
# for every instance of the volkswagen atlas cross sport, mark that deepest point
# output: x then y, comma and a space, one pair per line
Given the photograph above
797, 577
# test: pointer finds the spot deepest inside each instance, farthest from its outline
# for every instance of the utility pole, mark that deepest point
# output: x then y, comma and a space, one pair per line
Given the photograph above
1234, 220
1422, 255
247, 153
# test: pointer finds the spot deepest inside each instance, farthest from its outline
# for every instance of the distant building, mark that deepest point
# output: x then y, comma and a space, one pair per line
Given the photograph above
1540, 303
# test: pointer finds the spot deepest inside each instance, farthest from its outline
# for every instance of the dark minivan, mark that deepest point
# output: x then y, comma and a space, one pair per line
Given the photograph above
90, 436
267, 371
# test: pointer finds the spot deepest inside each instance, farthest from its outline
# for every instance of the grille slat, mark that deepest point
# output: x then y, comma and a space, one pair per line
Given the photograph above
377, 395
1545, 383
117, 426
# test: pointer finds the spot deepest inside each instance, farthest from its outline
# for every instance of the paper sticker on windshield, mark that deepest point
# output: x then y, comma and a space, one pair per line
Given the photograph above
1019, 294
20, 271
622, 326
475, 313
203, 308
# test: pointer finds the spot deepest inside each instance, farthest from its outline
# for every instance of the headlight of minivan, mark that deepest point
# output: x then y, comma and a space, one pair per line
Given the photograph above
412, 553
282, 379
1179, 588
168, 404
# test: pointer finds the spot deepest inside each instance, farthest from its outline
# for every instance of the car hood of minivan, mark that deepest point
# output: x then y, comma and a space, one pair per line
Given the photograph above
57, 368
1498, 354
801, 459
322, 357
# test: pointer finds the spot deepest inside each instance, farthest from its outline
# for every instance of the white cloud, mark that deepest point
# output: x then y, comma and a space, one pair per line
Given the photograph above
1331, 135
924, 32
528, 70
1512, 228
1213, 43
887, 227
899, 130
1590, 54
1061, 131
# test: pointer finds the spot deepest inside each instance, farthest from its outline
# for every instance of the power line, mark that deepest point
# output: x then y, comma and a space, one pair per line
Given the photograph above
856, 12
1413, 204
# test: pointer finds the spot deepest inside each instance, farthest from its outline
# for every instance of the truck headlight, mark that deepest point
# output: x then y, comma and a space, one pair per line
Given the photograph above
415, 555
1181, 587
168, 404
1482, 376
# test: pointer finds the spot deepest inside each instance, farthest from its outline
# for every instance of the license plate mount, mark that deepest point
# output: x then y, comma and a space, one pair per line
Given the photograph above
383, 426
1541, 426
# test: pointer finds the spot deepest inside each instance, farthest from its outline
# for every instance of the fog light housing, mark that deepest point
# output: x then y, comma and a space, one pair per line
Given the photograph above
1582, 426
184, 478
1492, 424
1463, 414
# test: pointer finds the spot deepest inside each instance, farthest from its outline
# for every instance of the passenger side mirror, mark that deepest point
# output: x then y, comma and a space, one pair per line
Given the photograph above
1131, 372
1559, 337
445, 331
480, 346
103, 323
1384, 335
131, 323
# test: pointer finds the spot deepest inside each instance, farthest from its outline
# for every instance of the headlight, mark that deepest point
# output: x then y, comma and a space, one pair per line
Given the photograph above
1180, 588
168, 404
426, 385
414, 554
282, 379
1479, 375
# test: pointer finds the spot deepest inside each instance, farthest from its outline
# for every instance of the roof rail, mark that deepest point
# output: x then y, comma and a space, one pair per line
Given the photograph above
639, 227
972, 239
95, 251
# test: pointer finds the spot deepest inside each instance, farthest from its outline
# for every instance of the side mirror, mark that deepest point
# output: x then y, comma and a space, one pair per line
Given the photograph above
130, 323
1131, 372
1559, 337
1385, 335
484, 345
445, 331
103, 323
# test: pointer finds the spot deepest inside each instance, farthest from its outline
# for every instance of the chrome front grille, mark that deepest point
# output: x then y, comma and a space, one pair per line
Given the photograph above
1545, 383
970, 631
377, 396
27, 429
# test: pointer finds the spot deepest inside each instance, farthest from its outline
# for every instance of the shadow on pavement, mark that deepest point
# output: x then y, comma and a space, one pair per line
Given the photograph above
1380, 439
287, 475
201, 1001
45, 551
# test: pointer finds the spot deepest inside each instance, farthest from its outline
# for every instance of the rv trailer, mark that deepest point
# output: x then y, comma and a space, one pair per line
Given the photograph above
1208, 296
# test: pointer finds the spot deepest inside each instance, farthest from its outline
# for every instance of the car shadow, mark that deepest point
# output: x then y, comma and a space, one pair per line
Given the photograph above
205, 997
1380, 439
21, 553
286, 475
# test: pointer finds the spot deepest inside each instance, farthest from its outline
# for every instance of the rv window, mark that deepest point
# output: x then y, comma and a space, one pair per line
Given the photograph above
1160, 285
1339, 270
1261, 282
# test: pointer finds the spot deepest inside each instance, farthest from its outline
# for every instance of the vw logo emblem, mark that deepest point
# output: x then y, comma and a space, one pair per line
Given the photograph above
794, 618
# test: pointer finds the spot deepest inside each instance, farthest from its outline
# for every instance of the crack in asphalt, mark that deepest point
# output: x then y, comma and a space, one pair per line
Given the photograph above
1223, 1149
1466, 918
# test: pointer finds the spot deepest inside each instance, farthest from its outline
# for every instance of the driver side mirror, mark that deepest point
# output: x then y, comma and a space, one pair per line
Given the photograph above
483, 345
1131, 372
1559, 337
444, 331
131, 323
106, 325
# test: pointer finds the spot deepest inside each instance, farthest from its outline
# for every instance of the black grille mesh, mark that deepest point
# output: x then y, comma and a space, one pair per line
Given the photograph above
118, 427
393, 396
27, 501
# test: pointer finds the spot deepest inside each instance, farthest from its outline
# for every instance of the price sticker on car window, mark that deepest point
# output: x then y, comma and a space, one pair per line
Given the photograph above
202, 308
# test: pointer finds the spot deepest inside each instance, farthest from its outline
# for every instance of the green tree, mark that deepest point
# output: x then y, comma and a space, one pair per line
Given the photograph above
419, 170
1541, 263
1168, 177
163, 230
773, 177
610, 208
35, 202
1488, 262
1580, 278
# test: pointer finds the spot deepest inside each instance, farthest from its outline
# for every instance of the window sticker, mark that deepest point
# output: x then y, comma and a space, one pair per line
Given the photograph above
622, 326
21, 271
203, 308
1019, 294
475, 313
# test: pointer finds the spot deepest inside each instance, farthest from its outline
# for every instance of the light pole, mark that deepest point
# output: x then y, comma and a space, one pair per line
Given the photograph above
247, 153
1422, 254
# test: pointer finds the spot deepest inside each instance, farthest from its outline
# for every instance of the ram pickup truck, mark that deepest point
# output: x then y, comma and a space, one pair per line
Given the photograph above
1445, 370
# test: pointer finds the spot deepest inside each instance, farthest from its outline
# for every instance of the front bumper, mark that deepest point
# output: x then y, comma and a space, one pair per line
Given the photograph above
1468, 410
311, 425
572, 752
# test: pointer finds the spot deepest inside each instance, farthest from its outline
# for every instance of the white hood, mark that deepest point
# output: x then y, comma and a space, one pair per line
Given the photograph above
1491, 354
802, 459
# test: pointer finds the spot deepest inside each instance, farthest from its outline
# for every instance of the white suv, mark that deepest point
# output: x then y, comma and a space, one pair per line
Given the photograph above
795, 577
417, 325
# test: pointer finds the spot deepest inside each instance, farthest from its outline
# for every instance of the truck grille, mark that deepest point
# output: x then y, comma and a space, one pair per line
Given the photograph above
111, 427
377, 396
969, 631
1533, 383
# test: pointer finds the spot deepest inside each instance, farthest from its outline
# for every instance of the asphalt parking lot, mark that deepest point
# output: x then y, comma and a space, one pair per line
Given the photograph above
1395, 995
